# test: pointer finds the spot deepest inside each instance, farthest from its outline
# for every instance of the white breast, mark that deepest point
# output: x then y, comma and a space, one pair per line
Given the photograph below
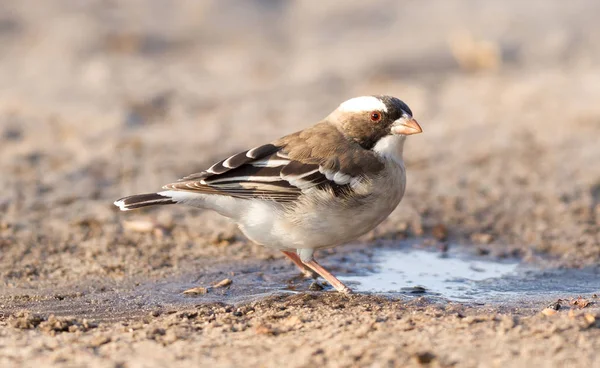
321, 220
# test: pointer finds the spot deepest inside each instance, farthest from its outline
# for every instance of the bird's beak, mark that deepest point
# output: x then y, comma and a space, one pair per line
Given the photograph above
406, 125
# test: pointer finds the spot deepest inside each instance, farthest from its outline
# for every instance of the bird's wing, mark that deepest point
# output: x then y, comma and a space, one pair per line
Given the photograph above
318, 157
264, 172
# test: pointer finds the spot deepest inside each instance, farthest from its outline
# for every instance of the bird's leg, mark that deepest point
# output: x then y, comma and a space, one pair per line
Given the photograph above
337, 284
306, 271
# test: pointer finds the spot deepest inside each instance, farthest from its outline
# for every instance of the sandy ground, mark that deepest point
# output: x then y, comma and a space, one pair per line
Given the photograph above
101, 99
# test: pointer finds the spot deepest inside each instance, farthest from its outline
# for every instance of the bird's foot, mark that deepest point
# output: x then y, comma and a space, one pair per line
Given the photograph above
334, 281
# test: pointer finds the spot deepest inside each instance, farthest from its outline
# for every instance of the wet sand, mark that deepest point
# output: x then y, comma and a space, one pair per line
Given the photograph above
102, 100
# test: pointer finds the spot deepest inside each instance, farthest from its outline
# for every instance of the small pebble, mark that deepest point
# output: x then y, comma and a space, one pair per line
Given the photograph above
196, 291
315, 286
418, 290
580, 302
99, 341
223, 283
425, 357
549, 312
482, 238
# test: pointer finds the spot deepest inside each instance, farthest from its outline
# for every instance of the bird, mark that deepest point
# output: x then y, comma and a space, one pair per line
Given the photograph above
316, 188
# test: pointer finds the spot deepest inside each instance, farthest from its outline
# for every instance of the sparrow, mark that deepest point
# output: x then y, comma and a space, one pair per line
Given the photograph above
317, 188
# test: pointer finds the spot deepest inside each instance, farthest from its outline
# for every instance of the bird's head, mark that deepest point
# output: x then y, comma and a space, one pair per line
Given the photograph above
368, 119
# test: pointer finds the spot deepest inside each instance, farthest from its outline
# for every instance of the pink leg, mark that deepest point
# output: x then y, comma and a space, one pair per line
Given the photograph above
307, 272
337, 284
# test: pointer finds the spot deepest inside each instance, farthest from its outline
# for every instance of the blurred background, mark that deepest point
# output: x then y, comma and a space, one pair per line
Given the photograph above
105, 98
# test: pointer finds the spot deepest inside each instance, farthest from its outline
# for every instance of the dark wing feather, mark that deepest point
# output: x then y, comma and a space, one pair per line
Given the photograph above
254, 173
235, 161
270, 177
282, 171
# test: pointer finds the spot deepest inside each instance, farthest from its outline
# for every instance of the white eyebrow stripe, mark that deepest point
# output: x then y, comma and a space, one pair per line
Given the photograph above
364, 103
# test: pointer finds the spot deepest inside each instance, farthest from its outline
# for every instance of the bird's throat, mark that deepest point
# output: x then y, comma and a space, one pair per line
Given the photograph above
391, 147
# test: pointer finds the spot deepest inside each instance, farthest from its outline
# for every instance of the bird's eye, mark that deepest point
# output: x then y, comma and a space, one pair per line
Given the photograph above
375, 116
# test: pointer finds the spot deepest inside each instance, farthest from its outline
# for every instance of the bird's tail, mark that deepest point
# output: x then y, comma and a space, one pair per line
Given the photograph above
143, 200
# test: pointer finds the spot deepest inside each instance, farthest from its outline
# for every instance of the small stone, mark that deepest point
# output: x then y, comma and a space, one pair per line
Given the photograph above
143, 226
473, 320
315, 286
196, 291
482, 238
580, 302
140, 226
88, 324
204, 290
418, 290
555, 305
24, 320
223, 283
99, 341
425, 357
549, 312
155, 333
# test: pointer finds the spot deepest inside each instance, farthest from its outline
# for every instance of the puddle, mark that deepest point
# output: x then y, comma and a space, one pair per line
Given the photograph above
404, 273
454, 276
